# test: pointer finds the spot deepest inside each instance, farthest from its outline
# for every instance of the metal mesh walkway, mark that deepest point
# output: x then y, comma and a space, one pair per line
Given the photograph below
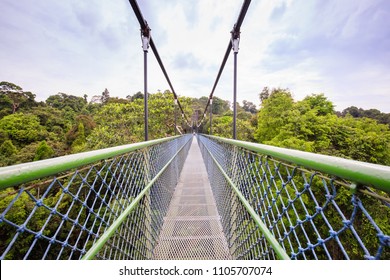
192, 227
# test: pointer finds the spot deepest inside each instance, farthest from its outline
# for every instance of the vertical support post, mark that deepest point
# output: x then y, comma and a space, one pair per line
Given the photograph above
175, 116
211, 116
145, 37
235, 43
204, 117
182, 118
235, 97
146, 110
197, 118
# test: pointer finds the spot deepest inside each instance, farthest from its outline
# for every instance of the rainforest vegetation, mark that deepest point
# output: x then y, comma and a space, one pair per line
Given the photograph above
63, 124
32, 130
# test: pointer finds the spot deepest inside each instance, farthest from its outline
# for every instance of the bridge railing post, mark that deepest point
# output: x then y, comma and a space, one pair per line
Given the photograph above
147, 202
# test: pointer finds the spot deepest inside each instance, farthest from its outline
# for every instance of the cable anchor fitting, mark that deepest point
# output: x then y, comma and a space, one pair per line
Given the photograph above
235, 38
145, 37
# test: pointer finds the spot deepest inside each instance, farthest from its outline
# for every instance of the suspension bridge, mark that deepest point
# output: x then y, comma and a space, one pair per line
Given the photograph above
195, 196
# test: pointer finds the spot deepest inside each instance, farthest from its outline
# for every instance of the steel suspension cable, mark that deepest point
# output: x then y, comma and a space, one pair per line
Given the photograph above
235, 32
144, 26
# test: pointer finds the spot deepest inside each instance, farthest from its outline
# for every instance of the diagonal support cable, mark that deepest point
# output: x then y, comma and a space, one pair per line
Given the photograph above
144, 26
236, 30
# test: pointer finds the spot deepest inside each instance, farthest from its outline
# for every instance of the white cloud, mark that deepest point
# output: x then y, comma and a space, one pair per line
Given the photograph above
83, 47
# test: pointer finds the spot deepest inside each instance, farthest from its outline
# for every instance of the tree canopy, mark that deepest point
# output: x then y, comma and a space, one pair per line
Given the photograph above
312, 125
65, 123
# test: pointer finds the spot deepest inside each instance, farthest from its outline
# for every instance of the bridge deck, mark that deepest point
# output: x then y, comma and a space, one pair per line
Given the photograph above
192, 227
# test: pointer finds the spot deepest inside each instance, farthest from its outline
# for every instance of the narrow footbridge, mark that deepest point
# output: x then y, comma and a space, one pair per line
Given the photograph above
195, 197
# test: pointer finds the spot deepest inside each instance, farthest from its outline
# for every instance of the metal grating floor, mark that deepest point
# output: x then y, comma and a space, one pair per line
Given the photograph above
192, 229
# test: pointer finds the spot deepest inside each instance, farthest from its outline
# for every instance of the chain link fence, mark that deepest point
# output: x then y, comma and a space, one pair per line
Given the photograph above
276, 209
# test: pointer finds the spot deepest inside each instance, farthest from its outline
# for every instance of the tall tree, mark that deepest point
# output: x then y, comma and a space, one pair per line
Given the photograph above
320, 103
63, 100
273, 114
14, 97
105, 96
138, 95
220, 106
249, 107
264, 94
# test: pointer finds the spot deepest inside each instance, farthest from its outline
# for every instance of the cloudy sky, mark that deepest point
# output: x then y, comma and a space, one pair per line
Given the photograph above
337, 47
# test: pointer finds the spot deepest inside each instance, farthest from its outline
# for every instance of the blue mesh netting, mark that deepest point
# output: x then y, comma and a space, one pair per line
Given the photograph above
312, 215
63, 216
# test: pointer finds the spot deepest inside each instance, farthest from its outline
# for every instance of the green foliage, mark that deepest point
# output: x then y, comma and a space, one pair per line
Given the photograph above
361, 139
43, 151
54, 121
80, 130
22, 128
117, 124
138, 95
8, 149
6, 106
18, 215
375, 114
63, 100
12, 98
220, 106
117, 100
26, 153
123, 123
105, 96
7, 153
50, 117
312, 125
264, 94
273, 114
319, 103
222, 126
67, 124
249, 107
79, 144
7, 86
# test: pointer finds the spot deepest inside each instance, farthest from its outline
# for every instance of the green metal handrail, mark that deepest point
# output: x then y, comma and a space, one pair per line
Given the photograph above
377, 176
27, 172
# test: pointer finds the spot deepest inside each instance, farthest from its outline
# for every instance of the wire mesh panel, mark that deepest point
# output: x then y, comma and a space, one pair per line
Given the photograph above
63, 216
311, 215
